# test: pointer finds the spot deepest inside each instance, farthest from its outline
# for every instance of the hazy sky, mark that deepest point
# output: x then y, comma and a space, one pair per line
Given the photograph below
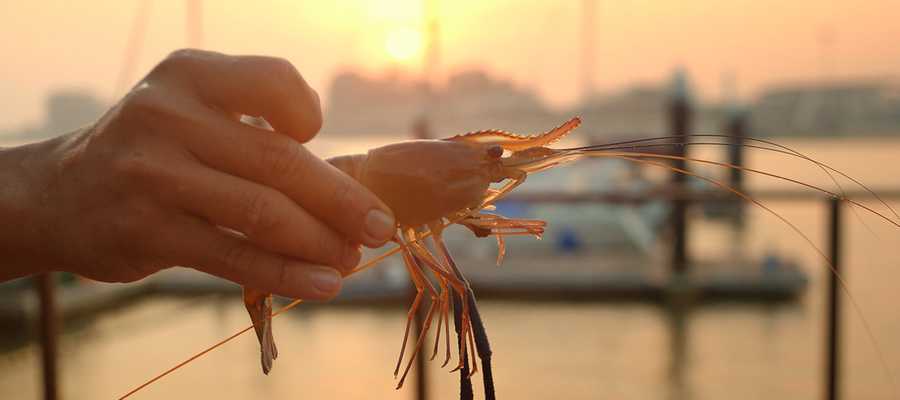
63, 44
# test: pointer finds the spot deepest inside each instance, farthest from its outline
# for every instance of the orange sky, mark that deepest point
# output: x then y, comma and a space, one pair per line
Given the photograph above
53, 44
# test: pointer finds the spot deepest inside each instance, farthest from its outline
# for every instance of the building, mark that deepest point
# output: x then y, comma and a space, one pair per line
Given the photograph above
828, 109
65, 111
393, 103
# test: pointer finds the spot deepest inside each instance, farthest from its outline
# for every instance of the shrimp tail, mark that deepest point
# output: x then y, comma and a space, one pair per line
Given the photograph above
259, 306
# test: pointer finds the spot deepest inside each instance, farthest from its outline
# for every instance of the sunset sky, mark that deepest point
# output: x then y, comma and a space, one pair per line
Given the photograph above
82, 44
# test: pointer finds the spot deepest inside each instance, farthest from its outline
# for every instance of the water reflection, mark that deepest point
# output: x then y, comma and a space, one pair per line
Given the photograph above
542, 349
677, 317
573, 350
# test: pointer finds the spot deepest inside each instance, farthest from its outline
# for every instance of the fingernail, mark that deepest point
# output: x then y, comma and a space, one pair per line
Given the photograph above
351, 256
326, 280
379, 227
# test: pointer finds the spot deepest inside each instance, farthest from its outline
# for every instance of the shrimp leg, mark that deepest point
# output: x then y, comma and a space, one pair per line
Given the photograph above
459, 287
443, 320
421, 284
413, 264
483, 224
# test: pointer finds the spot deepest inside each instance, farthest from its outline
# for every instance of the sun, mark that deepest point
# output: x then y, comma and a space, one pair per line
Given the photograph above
403, 44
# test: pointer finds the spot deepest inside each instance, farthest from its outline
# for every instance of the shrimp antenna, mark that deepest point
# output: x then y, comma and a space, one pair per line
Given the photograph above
842, 196
639, 158
786, 150
779, 148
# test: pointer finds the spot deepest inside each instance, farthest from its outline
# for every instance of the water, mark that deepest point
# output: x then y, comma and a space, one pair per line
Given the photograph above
542, 350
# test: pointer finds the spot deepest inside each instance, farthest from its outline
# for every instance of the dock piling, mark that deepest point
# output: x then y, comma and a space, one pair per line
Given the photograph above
832, 372
679, 125
49, 329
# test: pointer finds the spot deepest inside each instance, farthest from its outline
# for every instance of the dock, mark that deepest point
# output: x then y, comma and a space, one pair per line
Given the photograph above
570, 277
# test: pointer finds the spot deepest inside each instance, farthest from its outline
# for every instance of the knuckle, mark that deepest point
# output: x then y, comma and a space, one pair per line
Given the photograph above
315, 120
281, 271
134, 165
239, 256
258, 215
329, 249
141, 98
183, 53
177, 61
144, 104
281, 68
343, 197
310, 120
283, 158
286, 84
324, 245
277, 74
285, 78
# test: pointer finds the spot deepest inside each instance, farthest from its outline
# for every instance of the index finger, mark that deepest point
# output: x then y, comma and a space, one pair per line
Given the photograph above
260, 86
281, 163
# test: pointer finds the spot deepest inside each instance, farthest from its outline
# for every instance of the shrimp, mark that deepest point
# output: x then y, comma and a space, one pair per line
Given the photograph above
431, 184
427, 183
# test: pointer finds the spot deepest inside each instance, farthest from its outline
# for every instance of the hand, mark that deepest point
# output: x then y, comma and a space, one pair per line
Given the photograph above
156, 180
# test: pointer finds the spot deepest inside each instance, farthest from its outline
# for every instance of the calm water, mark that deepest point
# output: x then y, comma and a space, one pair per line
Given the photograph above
542, 350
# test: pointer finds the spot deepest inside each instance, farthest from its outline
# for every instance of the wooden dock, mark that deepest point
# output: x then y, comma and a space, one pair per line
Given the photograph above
610, 277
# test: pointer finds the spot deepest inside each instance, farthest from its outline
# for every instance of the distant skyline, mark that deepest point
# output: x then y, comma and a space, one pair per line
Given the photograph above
56, 44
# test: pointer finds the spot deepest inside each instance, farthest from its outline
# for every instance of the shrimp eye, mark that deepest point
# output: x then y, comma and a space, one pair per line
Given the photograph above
495, 151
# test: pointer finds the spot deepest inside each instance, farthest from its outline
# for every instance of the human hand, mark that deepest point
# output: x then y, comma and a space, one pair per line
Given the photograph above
152, 182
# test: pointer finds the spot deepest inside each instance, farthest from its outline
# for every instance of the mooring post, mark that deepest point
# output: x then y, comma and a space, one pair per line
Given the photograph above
49, 328
679, 125
832, 373
737, 129
421, 373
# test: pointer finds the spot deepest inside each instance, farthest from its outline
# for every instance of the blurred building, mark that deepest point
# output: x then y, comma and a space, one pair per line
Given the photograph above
471, 100
394, 103
382, 105
64, 111
642, 111
638, 110
71, 109
828, 109
474, 100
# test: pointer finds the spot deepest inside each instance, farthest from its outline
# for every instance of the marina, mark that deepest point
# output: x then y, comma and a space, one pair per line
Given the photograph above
709, 210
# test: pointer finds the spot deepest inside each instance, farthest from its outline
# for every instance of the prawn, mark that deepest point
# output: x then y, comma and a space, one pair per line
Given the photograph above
431, 184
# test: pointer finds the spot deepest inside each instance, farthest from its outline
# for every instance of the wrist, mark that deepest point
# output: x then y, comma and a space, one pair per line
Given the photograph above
25, 176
